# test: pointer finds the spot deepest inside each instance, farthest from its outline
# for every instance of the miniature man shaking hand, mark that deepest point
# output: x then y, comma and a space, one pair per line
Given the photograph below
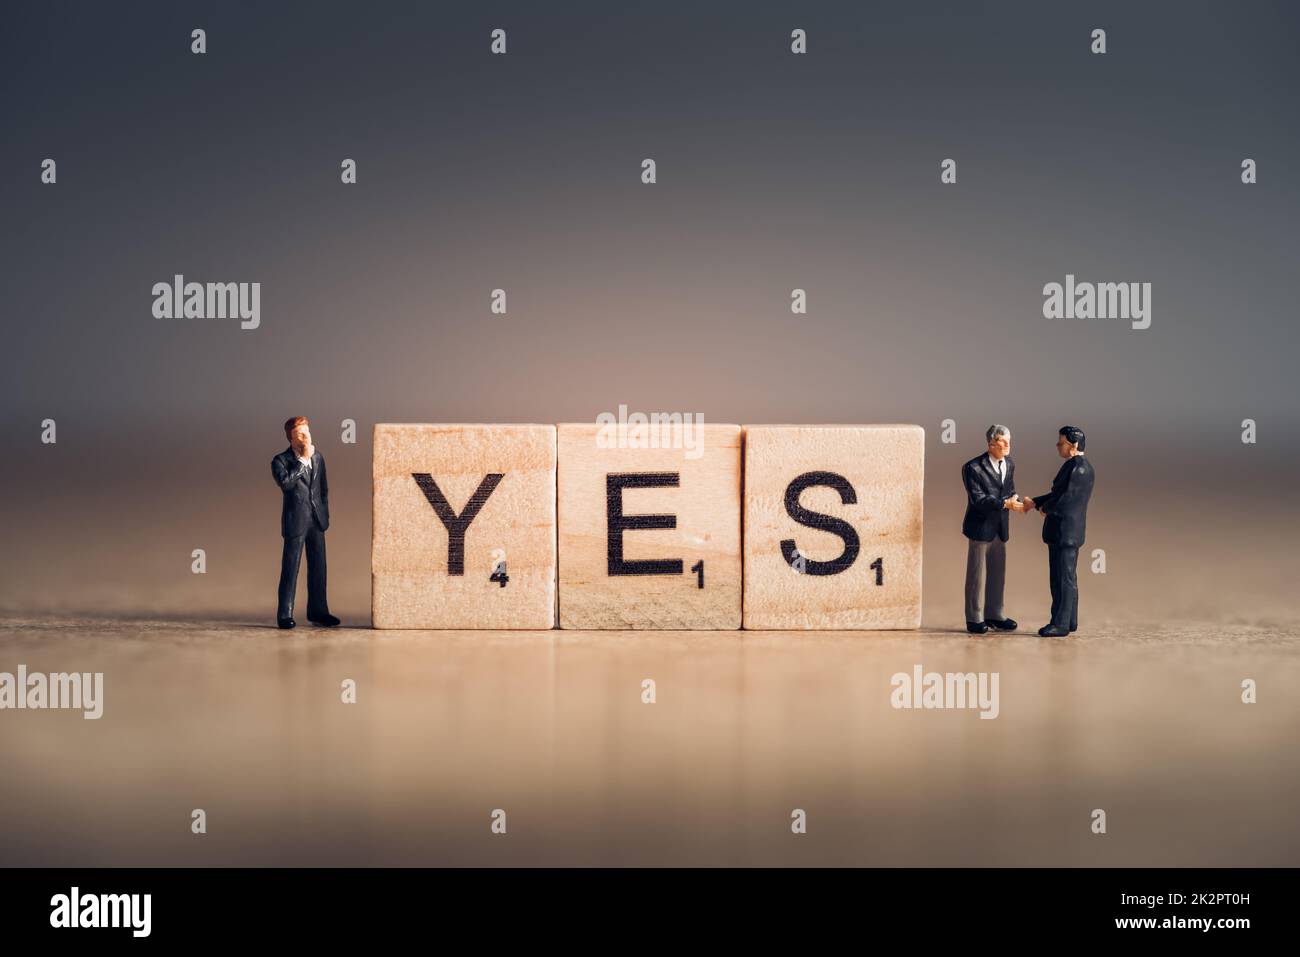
1066, 511
300, 472
990, 498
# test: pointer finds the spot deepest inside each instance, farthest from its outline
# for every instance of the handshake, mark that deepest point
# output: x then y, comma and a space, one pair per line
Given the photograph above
1016, 504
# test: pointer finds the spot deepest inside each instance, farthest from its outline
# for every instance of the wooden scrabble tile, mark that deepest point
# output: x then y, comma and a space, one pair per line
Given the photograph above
642, 527
463, 526
833, 526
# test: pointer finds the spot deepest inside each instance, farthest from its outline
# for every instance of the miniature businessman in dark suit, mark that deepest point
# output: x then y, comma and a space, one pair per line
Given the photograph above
990, 481
300, 472
1066, 510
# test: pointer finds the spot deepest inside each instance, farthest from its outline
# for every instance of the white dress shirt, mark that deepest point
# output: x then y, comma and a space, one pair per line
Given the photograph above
1000, 467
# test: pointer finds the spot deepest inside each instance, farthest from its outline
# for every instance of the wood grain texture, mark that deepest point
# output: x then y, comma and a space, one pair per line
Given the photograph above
884, 464
706, 503
411, 586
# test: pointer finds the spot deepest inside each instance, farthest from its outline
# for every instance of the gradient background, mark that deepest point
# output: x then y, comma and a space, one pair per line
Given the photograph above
523, 172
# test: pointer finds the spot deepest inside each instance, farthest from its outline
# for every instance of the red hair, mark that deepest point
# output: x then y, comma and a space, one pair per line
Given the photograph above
293, 423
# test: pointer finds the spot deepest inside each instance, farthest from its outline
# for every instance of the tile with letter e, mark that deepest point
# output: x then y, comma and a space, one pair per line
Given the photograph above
833, 526
463, 526
649, 520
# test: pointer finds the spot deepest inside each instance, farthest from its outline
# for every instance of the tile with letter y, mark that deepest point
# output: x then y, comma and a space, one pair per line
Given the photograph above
463, 526
833, 526
649, 526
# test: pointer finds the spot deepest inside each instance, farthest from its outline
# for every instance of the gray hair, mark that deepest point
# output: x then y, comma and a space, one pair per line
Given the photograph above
996, 430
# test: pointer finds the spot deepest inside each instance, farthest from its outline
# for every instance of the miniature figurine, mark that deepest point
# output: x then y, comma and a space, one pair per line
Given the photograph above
1066, 510
991, 497
300, 472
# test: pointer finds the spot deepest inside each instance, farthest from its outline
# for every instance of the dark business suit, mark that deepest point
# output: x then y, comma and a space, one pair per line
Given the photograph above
987, 526
1066, 508
304, 518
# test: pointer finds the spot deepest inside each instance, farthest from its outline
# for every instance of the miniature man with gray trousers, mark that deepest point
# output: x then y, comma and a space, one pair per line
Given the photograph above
990, 481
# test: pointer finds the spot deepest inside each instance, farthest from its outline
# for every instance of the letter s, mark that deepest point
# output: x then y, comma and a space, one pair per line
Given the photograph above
827, 523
